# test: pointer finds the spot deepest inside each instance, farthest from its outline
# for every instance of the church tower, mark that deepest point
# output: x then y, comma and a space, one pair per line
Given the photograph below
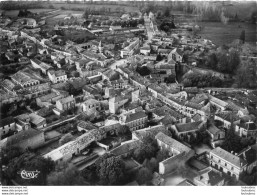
100, 47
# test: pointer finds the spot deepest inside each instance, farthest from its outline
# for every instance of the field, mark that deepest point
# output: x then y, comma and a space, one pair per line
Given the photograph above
220, 34
75, 35
95, 6
14, 13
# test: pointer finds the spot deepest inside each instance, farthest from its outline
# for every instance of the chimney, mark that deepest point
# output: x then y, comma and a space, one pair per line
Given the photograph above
232, 152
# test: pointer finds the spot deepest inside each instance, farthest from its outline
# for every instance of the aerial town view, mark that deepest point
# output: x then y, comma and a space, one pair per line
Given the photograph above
130, 93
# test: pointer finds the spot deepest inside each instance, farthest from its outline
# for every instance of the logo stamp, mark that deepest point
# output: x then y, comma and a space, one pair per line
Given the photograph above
28, 174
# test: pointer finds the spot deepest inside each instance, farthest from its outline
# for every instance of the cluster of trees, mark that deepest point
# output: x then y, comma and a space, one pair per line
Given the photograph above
147, 150
122, 23
143, 70
67, 176
223, 60
16, 160
234, 142
11, 5
246, 75
201, 80
25, 13
14, 109
72, 21
100, 11
208, 11
166, 25
107, 170
164, 7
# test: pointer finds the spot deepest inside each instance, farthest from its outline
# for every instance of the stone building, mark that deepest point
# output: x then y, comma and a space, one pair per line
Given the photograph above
227, 162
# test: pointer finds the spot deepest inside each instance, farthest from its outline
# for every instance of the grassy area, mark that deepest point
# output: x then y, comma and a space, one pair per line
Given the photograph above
14, 13
225, 34
113, 8
76, 35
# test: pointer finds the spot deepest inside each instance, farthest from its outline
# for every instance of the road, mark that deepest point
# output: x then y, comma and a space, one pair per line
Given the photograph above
118, 63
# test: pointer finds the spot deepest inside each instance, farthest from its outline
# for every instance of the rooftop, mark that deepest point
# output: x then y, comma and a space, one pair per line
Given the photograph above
67, 99
6, 121
135, 116
172, 143
233, 159
126, 147
188, 126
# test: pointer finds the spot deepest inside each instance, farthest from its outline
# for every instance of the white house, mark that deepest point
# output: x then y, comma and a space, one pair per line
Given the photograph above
57, 76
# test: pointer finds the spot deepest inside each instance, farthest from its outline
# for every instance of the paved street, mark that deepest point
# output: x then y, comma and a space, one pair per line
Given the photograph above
118, 63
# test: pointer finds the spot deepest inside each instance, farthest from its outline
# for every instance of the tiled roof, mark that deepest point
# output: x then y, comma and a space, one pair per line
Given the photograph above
233, 159
219, 102
193, 105
36, 119
213, 129
186, 183
135, 116
198, 98
47, 97
248, 126
91, 101
86, 125
21, 77
8, 84
188, 126
172, 143
6, 121
164, 110
197, 117
111, 74
150, 131
125, 148
66, 100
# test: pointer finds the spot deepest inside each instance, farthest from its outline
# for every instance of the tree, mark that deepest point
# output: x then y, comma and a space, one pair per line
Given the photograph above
242, 36
233, 61
223, 62
167, 12
123, 130
146, 150
246, 74
67, 177
65, 139
159, 14
29, 162
10, 153
143, 71
110, 170
232, 141
143, 175
212, 61
153, 165
162, 155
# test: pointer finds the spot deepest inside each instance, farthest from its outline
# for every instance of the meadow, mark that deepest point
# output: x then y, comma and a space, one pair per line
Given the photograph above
220, 33
14, 13
113, 8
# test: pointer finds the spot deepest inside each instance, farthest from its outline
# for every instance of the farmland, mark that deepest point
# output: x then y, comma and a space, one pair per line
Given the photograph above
95, 7
225, 34
14, 13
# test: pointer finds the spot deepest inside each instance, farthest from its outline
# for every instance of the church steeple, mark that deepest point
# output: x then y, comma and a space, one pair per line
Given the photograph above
100, 47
